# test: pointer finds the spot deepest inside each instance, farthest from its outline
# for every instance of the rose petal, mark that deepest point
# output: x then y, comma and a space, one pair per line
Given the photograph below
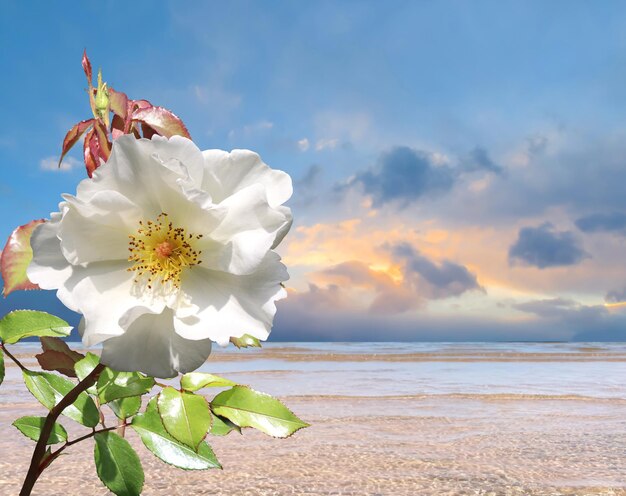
151, 346
106, 296
156, 165
230, 305
249, 229
98, 230
227, 173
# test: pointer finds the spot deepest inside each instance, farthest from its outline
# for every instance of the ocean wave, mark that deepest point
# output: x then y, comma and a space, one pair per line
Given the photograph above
462, 396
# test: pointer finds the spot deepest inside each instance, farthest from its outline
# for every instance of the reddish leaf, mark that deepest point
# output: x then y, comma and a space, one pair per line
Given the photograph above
58, 356
147, 131
117, 127
91, 90
91, 161
55, 360
104, 145
15, 258
140, 104
87, 67
73, 135
119, 103
57, 344
162, 121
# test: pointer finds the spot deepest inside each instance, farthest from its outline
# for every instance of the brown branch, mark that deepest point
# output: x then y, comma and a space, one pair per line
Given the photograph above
121, 427
35, 468
10, 355
53, 456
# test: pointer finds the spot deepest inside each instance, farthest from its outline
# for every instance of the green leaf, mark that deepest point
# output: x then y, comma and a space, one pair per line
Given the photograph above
25, 323
249, 408
1, 366
31, 427
150, 429
222, 426
198, 380
113, 385
246, 341
84, 367
49, 389
125, 407
118, 465
16, 256
185, 416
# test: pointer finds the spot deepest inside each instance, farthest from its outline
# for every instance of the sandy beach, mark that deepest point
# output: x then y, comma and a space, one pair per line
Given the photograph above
445, 442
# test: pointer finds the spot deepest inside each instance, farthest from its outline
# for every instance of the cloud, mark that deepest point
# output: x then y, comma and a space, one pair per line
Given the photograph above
325, 299
257, 126
602, 222
576, 172
307, 187
303, 144
326, 144
311, 176
316, 315
536, 145
52, 164
434, 280
407, 285
544, 247
250, 130
334, 128
404, 174
214, 94
390, 297
560, 308
615, 296
478, 159
582, 322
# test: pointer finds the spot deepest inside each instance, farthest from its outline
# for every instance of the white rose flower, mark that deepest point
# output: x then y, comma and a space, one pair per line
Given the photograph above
167, 249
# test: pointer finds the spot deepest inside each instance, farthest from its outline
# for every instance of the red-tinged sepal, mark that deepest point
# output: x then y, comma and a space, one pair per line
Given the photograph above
104, 145
117, 127
16, 256
119, 103
87, 67
90, 90
147, 131
73, 135
163, 121
140, 104
134, 130
91, 160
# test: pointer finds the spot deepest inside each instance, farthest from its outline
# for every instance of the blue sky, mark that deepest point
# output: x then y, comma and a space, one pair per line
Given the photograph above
459, 166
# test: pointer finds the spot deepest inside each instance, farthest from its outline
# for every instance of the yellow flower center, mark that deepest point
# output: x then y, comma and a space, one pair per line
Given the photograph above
159, 252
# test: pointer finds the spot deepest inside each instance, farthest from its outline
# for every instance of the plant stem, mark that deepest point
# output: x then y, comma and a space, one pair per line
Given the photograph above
121, 427
35, 469
10, 355
53, 456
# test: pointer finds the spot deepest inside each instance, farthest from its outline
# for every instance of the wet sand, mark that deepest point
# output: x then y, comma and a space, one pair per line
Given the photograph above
446, 444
